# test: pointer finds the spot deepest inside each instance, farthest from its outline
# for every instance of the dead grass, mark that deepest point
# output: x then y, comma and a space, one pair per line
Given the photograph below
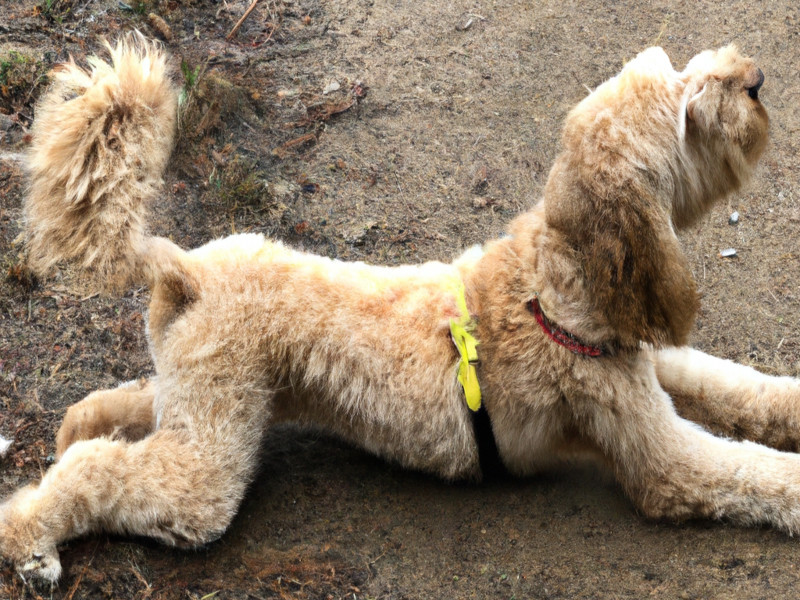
207, 103
239, 182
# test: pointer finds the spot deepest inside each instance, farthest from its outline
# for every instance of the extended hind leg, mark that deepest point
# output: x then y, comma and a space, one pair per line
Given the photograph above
182, 484
731, 399
125, 412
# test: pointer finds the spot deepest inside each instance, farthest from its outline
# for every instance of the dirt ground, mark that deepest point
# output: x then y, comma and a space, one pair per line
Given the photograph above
393, 131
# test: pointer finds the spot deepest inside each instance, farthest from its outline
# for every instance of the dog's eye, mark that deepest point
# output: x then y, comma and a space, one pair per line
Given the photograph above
752, 90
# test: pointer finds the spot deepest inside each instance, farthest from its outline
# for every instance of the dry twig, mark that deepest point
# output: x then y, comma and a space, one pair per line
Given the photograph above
240, 21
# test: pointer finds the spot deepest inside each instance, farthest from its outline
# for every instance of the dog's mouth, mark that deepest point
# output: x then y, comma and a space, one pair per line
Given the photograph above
752, 90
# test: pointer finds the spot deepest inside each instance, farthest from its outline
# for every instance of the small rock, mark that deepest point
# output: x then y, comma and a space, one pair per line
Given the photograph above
331, 87
465, 25
4, 446
734, 218
727, 253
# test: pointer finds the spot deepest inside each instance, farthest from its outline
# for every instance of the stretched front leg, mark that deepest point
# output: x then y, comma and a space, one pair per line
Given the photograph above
126, 412
673, 469
731, 399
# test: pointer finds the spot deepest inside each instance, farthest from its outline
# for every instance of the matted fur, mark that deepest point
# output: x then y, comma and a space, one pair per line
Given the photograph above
246, 333
101, 140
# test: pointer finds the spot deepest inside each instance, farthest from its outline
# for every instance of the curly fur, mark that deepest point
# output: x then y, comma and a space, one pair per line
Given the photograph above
101, 141
246, 333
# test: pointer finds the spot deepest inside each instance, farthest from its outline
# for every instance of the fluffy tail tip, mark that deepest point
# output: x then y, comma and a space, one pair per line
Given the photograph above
101, 140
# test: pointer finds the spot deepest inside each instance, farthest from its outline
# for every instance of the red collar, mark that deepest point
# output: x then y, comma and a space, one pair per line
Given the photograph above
560, 336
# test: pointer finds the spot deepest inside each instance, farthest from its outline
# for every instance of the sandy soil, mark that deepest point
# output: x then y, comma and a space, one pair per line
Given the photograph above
443, 126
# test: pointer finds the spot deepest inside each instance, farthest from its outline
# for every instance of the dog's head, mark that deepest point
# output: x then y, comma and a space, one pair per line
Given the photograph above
697, 133
721, 101
723, 121
649, 149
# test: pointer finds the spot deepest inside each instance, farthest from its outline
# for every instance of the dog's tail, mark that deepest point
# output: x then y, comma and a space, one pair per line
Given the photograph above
101, 140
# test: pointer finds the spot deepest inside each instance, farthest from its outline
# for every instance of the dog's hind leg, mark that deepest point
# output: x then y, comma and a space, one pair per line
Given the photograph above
673, 469
125, 412
731, 399
182, 485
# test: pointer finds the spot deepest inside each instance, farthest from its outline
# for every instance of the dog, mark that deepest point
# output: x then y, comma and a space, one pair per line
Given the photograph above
569, 334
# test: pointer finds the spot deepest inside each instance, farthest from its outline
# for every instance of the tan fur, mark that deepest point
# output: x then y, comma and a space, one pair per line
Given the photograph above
125, 412
100, 144
246, 333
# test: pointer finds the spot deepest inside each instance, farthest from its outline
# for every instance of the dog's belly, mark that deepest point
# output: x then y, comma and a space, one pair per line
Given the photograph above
415, 433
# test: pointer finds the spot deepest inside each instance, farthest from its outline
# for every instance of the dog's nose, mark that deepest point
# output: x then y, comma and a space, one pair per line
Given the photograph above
752, 91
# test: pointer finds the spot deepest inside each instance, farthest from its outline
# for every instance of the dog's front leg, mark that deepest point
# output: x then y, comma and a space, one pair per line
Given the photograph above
731, 399
673, 469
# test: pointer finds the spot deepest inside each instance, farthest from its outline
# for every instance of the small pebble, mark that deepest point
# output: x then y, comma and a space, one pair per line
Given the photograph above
734, 218
465, 26
4, 446
728, 253
331, 87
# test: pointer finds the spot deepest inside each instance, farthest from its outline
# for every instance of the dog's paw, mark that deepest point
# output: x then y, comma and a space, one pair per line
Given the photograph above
24, 542
41, 568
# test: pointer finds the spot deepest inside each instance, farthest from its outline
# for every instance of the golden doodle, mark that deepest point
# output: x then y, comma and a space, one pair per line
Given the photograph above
570, 333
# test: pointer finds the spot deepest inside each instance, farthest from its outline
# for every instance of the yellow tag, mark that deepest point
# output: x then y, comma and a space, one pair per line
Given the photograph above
467, 347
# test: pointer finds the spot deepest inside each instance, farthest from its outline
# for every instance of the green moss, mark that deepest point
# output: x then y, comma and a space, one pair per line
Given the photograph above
55, 10
22, 77
141, 7
11, 64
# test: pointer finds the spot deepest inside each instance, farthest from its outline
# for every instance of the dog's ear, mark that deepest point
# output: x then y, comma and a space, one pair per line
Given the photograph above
700, 102
695, 110
634, 272
691, 110
638, 276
